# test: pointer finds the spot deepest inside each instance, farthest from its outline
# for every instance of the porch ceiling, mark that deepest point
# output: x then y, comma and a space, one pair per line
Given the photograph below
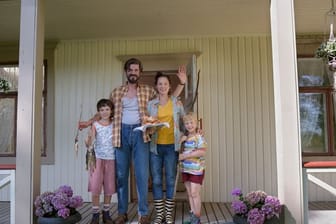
88, 19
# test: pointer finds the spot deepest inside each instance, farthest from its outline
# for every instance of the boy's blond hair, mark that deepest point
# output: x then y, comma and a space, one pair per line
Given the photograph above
190, 116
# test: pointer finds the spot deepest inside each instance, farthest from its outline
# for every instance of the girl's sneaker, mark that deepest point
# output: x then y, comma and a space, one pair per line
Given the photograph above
195, 220
95, 218
107, 218
191, 215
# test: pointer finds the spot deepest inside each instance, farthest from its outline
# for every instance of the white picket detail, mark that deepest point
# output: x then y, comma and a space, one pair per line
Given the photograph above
9, 178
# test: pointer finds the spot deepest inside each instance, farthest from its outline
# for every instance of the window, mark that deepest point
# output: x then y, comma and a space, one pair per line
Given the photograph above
8, 110
8, 106
316, 108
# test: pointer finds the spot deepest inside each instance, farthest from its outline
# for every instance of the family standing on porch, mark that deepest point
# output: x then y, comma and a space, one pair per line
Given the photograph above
131, 106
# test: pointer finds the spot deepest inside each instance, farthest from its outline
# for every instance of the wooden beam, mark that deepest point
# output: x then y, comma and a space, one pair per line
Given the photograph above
29, 114
287, 125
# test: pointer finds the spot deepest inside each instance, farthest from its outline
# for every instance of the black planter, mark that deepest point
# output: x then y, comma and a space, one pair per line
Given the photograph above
243, 220
50, 220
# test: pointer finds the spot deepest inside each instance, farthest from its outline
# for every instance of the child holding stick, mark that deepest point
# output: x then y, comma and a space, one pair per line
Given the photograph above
102, 176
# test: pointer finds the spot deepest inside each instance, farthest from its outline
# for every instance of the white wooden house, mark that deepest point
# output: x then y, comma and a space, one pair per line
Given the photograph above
248, 101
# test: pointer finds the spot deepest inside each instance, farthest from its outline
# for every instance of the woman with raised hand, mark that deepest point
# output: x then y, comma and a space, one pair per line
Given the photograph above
164, 146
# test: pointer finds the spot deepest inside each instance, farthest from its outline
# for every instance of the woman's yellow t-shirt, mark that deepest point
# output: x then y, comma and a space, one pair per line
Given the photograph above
165, 114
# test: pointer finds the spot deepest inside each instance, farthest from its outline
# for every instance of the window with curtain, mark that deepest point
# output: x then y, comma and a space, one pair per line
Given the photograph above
316, 99
8, 111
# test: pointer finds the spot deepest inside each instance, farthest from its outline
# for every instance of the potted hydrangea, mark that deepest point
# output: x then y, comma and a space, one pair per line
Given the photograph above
255, 208
58, 206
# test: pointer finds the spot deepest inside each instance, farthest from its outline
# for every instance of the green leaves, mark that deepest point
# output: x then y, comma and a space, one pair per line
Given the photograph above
327, 50
4, 85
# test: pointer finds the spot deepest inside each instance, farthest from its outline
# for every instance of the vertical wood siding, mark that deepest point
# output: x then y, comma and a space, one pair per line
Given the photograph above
235, 103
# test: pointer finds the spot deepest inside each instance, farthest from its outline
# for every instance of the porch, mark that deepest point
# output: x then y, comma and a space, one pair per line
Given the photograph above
212, 212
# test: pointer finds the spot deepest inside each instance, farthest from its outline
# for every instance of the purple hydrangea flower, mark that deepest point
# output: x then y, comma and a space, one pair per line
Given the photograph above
60, 203
61, 200
239, 207
255, 197
64, 212
272, 207
39, 211
76, 201
48, 208
255, 216
257, 206
66, 190
236, 192
275, 202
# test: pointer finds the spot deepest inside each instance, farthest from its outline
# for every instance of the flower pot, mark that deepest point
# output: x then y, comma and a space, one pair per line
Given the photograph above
57, 220
243, 220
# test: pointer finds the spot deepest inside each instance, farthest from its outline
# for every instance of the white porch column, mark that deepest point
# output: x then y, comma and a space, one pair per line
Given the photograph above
287, 124
29, 120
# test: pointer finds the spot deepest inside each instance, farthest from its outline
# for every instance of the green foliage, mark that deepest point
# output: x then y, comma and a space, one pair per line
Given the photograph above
327, 50
4, 85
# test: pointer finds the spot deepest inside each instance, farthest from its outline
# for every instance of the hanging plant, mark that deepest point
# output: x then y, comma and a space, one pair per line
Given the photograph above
327, 50
4, 85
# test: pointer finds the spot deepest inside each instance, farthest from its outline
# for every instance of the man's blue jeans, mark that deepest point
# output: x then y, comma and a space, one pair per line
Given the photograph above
132, 147
165, 159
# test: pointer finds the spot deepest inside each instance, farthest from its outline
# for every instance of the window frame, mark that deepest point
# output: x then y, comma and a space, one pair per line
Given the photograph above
14, 94
328, 92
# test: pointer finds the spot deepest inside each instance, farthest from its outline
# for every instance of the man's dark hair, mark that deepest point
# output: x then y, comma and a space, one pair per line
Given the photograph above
105, 102
132, 61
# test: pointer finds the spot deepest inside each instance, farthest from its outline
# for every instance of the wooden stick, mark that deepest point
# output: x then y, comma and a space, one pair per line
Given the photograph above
178, 169
77, 132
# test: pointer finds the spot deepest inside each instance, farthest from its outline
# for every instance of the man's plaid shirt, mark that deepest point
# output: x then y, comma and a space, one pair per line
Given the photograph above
144, 94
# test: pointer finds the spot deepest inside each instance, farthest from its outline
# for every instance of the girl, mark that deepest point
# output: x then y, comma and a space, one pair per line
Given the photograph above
193, 165
102, 176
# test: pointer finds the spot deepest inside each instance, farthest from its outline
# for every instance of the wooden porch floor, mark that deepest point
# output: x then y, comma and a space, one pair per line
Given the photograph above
211, 212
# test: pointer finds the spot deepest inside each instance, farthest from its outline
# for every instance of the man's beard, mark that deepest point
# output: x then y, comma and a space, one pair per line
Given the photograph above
132, 79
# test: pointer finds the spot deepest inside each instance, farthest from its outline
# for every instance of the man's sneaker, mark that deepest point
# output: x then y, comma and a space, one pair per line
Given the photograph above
144, 219
95, 218
121, 219
107, 218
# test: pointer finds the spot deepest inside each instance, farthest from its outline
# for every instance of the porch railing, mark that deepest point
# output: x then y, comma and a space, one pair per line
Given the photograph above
316, 167
7, 176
